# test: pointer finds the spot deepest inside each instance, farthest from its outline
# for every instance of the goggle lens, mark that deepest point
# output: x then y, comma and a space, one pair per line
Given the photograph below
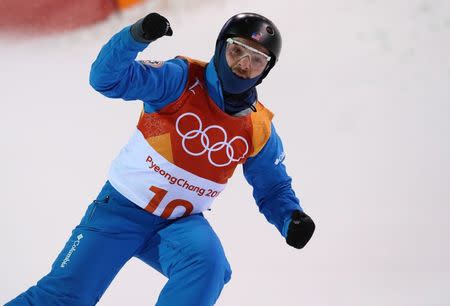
237, 50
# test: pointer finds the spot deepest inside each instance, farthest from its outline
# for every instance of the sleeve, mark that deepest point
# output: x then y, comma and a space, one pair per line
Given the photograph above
271, 184
116, 74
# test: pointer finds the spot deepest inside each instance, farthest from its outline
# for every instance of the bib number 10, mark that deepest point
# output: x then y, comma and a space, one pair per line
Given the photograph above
159, 196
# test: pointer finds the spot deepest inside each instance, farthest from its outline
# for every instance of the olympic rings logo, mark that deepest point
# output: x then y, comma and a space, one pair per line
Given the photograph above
206, 143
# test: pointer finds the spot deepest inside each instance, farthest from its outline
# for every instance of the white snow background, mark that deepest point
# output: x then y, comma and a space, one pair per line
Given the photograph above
361, 95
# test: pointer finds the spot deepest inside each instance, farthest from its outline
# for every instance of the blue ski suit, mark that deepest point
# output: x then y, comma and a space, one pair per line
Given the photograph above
114, 228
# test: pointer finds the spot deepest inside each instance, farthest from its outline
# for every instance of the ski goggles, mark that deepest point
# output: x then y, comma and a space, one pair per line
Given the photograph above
238, 50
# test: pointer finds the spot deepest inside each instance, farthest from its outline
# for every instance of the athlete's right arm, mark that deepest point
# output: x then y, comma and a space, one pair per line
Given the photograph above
116, 74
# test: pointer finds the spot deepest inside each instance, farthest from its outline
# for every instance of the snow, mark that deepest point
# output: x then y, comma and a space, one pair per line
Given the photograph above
362, 101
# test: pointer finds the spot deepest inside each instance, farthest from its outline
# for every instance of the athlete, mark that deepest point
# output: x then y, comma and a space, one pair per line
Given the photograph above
199, 121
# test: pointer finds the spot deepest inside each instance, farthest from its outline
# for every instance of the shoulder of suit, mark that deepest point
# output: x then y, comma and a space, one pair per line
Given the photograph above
261, 122
192, 61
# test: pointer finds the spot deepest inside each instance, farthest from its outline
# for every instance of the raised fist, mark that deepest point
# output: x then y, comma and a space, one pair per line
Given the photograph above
150, 28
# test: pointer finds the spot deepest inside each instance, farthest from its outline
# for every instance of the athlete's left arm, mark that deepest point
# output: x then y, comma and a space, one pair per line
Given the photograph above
274, 195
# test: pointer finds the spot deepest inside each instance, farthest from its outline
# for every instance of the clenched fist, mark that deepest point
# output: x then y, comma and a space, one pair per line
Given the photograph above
300, 229
150, 28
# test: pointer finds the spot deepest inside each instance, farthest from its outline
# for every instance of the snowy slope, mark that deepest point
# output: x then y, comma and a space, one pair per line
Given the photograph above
362, 102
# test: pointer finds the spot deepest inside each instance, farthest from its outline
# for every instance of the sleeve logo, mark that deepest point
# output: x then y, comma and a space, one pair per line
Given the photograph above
154, 64
280, 158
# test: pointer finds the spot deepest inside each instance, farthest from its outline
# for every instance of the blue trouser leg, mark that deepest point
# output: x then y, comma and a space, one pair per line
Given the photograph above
111, 232
190, 254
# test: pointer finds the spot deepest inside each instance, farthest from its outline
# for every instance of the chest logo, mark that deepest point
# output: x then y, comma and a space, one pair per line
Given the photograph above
211, 140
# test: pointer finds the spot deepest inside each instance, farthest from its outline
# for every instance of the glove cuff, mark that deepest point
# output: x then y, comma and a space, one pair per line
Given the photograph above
138, 33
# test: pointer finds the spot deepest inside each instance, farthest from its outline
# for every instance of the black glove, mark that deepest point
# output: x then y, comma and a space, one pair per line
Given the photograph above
150, 28
300, 229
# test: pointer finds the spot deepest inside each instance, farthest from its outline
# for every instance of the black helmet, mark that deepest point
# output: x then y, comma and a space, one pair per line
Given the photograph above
254, 27
257, 28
